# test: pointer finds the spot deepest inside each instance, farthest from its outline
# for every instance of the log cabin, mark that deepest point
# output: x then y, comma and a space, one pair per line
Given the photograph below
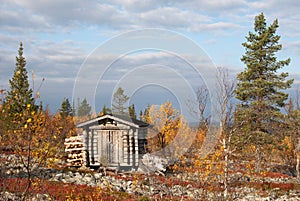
118, 140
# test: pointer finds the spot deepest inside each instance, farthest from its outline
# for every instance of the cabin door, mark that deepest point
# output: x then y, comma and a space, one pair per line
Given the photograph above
110, 145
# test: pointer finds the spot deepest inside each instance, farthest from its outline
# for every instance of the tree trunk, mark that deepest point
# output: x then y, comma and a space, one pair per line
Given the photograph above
258, 159
297, 165
226, 152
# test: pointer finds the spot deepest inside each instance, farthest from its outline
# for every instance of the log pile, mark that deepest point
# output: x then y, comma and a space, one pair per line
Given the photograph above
76, 151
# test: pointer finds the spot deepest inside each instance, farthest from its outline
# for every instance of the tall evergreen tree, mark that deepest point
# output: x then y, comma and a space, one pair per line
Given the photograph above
131, 110
74, 109
260, 87
260, 90
105, 110
66, 109
141, 115
20, 96
84, 108
119, 100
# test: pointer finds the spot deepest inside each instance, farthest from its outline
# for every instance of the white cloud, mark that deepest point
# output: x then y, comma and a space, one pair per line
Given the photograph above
293, 46
215, 6
195, 15
44, 15
286, 12
48, 30
16, 19
170, 17
218, 27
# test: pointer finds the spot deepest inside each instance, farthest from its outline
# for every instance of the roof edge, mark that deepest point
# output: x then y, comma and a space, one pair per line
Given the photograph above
119, 119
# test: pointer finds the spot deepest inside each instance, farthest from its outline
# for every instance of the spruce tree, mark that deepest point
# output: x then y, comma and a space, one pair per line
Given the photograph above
66, 109
105, 110
260, 87
131, 110
141, 115
19, 97
84, 108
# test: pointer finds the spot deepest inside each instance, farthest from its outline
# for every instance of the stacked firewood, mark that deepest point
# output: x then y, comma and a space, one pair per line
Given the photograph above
75, 151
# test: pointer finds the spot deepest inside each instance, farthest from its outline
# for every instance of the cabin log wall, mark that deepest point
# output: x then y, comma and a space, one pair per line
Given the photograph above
120, 142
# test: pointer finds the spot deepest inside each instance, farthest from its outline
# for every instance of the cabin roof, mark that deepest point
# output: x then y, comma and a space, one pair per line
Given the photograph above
124, 119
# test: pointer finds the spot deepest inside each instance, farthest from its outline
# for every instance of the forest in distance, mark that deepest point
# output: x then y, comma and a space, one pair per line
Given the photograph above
253, 150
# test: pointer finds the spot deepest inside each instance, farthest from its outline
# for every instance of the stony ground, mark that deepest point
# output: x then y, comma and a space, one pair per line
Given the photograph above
172, 186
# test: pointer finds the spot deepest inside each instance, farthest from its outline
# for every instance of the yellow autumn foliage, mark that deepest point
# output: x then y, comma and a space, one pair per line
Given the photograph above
40, 135
169, 132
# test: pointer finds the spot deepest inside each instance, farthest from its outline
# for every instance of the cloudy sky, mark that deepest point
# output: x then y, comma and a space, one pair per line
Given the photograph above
88, 48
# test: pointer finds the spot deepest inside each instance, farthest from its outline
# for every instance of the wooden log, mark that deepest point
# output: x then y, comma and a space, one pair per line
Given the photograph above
76, 151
